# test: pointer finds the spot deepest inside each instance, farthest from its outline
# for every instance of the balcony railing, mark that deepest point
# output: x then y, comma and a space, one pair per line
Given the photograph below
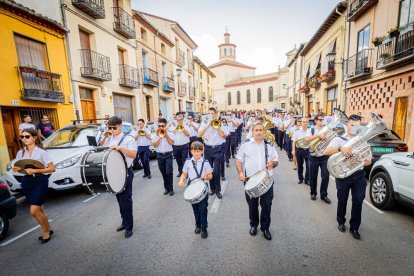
191, 67
168, 84
358, 66
396, 51
315, 82
124, 23
95, 65
192, 93
150, 77
182, 89
39, 85
94, 8
358, 7
203, 96
128, 76
181, 58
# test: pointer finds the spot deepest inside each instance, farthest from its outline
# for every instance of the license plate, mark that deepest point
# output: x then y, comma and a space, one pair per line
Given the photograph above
383, 150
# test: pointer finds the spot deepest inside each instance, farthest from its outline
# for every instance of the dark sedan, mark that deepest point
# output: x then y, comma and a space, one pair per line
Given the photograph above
386, 143
8, 209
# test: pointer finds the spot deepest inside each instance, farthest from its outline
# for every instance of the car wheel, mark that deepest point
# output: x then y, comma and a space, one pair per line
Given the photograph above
4, 225
381, 191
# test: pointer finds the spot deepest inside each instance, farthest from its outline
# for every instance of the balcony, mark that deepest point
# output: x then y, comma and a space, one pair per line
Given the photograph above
330, 74
124, 23
210, 99
358, 7
94, 8
203, 96
150, 77
191, 67
128, 76
396, 51
182, 89
168, 85
39, 85
95, 65
192, 93
358, 66
181, 58
315, 82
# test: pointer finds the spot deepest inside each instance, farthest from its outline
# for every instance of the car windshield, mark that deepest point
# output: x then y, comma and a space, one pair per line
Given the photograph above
386, 137
71, 137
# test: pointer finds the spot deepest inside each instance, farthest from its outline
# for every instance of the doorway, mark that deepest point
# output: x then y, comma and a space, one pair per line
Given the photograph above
148, 107
400, 116
87, 103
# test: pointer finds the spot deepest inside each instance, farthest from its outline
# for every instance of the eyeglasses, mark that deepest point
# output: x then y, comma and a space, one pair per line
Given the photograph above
25, 136
355, 117
112, 127
318, 119
161, 125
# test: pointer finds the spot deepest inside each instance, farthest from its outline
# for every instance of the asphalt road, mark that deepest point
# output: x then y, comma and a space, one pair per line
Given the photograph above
305, 236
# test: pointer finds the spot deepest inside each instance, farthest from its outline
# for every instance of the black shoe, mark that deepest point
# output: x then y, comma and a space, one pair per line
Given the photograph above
120, 228
313, 197
267, 235
43, 241
355, 234
197, 230
166, 193
227, 165
179, 174
128, 233
223, 178
300, 182
341, 227
149, 177
212, 193
50, 234
307, 182
144, 176
253, 231
171, 193
326, 199
232, 157
204, 233
219, 195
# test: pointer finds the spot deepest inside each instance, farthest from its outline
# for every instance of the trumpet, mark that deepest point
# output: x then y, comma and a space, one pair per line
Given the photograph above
107, 133
141, 132
162, 132
180, 128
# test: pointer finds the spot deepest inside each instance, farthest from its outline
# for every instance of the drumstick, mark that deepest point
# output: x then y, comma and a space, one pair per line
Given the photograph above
247, 177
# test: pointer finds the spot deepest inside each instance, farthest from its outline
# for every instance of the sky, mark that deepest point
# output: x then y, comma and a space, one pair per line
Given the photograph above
263, 30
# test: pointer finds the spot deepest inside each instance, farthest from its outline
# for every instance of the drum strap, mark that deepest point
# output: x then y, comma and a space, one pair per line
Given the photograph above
196, 171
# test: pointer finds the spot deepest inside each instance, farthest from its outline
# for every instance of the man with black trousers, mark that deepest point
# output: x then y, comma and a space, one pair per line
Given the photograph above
302, 154
193, 129
181, 143
143, 142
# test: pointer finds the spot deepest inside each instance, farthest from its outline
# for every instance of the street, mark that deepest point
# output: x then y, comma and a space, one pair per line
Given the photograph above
305, 236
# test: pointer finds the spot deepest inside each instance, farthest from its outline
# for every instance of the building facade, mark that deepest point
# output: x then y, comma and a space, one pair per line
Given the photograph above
295, 66
34, 73
204, 81
379, 67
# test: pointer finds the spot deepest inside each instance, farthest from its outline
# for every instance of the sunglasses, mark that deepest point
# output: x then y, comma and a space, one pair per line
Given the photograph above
355, 118
112, 127
25, 136
319, 120
161, 125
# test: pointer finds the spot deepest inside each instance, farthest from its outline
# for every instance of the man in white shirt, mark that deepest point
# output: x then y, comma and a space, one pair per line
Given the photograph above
302, 154
27, 123
144, 142
193, 129
181, 143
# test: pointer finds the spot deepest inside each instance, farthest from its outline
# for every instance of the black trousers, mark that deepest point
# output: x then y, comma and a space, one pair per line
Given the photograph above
266, 205
281, 136
180, 155
302, 156
239, 132
224, 156
232, 145
277, 136
289, 147
125, 202
200, 213
214, 157
315, 164
143, 154
165, 164
357, 184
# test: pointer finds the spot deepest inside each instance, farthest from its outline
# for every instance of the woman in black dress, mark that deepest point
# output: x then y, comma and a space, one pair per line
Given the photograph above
36, 181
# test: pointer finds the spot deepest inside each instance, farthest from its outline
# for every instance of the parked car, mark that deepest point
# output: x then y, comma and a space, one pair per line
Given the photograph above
8, 208
66, 147
391, 180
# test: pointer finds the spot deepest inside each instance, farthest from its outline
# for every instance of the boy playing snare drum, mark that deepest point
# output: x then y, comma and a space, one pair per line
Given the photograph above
197, 167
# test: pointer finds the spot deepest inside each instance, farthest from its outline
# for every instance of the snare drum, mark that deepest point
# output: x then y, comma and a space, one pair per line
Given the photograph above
104, 170
258, 184
196, 191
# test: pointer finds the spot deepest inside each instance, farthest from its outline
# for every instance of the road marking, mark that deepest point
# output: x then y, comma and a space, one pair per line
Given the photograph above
21, 200
92, 197
155, 163
22, 235
216, 202
366, 202
135, 174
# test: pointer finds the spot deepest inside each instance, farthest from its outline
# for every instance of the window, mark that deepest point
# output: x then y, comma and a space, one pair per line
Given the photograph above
248, 96
163, 48
238, 97
144, 59
406, 12
231, 52
271, 94
229, 98
143, 34
282, 105
164, 70
332, 100
363, 43
31, 53
259, 95
188, 106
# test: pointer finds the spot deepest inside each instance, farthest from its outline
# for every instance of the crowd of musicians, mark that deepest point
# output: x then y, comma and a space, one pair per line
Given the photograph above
203, 146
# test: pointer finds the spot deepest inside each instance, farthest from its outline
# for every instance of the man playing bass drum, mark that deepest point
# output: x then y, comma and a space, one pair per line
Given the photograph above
255, 154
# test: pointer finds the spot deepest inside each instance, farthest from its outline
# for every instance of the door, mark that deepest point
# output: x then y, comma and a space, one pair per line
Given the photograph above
163, 107
10, 131
87, 103
148, 107
400, 116
406, 170
123, 107
362, 55
86, 54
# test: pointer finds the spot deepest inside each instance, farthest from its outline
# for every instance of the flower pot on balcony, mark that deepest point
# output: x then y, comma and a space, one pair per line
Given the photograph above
43, 75
394, 33
27, 69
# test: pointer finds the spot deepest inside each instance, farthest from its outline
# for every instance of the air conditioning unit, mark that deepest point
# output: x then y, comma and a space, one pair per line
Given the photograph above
70, 98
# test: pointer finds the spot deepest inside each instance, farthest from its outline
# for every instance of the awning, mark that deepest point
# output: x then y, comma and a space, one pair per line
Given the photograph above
315, 64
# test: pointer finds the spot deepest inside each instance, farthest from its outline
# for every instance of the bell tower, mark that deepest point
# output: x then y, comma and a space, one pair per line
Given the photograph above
227, 49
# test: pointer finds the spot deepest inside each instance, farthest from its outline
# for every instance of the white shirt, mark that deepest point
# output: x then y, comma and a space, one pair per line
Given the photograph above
180, 138
128, 143
38, 154
193, 131
292, 130
212, 137
338, 142
252, 155
163, 146
143, 141
315, 131
24, 126
189, 168
286, 123
299, 134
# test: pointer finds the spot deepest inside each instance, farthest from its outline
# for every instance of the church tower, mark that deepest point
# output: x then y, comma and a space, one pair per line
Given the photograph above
227, 49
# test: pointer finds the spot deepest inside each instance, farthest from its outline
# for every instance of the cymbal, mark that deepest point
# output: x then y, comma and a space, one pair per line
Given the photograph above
28, 164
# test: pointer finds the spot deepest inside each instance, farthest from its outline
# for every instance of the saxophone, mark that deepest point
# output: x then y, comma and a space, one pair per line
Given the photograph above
340, 166
331, 130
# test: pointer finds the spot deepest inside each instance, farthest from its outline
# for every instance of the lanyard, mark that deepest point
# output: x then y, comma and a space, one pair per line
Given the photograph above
196, 171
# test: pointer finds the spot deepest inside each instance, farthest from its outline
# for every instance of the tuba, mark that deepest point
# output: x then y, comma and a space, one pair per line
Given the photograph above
302, 144
340, 166
268, 136
335, 128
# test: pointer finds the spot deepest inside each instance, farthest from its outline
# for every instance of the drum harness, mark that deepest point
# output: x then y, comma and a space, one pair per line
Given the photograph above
197, 173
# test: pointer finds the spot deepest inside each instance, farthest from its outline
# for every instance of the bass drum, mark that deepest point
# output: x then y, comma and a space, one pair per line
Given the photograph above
104, 170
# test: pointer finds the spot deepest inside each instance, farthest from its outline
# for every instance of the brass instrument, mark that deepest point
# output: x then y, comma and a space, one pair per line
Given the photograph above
180, 128
161, 132
302, 144
268, 136
268, 123
107, 133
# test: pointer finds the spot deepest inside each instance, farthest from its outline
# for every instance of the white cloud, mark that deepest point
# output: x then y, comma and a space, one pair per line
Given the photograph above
207, 49
263, 58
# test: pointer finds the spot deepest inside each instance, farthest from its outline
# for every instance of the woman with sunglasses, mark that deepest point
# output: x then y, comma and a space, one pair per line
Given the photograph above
36, 181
